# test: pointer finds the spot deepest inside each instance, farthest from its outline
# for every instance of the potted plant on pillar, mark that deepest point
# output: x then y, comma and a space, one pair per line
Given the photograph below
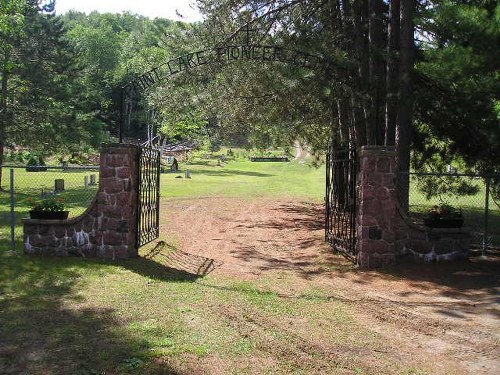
51, 208
444, 216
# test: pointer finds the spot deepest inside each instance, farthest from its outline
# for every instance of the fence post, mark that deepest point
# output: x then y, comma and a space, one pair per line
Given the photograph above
12, 212
486, 216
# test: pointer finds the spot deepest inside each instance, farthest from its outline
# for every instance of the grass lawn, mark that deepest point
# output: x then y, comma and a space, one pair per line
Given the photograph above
74, 316
28, 185
81, 316
243, 178
473, 208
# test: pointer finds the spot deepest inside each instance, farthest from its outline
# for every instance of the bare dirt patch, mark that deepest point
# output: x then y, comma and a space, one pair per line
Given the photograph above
445, 316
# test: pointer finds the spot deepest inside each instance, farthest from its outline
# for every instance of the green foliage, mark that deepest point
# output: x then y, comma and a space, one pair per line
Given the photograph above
14, 156
112, 49
435, 159
184, 128
11, 17
64, 74
98, 41
81, 158
456, 84
268, 104
34, 159
39, 104
495, 189
433, 186
51, 204
270, 153
133, 363
459, 84
444, 211
60, 74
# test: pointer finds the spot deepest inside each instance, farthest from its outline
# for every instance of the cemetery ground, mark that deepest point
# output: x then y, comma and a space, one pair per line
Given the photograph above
241, 282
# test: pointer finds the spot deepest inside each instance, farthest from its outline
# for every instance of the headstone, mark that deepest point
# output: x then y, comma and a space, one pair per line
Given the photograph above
175, 166
86, 181
188, 173
93, 180
59, 185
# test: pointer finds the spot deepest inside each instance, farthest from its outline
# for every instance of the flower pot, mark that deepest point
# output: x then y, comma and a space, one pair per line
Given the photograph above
49, 215
457, 222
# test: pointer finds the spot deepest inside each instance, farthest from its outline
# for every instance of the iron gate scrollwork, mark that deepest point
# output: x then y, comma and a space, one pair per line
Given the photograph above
340, 226
148, 207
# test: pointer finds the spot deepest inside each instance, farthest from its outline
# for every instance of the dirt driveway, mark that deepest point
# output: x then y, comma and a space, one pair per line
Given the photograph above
447, 315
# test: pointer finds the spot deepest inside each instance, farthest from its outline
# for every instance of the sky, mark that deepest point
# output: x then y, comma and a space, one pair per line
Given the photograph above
148, 8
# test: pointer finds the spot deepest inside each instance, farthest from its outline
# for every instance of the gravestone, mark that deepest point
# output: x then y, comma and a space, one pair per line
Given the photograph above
175, 166
59, 185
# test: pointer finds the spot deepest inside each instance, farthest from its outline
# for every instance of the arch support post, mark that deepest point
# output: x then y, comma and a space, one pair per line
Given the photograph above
377, 215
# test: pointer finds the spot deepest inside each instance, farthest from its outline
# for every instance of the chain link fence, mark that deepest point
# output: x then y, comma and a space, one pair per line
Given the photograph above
472, 194
75, 186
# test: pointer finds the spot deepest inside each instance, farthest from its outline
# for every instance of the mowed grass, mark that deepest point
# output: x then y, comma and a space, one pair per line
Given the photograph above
239, 177
62, 316
31, 185
473, 208
83, 316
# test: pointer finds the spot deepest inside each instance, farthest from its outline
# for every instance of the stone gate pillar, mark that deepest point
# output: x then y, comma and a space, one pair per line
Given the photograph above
117, 201
377, 216
108, 228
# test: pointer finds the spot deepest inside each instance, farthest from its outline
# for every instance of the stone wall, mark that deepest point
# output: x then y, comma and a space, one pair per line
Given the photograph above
385, 235
108, 227
376, 222
419, 243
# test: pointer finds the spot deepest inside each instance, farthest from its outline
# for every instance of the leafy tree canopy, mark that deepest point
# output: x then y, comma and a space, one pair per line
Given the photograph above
458, 98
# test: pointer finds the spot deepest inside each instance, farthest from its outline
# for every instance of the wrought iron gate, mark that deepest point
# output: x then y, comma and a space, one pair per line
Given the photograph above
340, 225
148, 207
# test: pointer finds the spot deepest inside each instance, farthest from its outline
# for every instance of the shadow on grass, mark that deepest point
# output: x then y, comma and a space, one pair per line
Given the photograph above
300, 216
167, 263
228, 173
308, 256
475, 278
44, 330
471, 282
200, 162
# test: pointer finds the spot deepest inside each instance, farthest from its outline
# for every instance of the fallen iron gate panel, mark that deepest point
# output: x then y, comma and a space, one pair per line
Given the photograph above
340, 226
148, 207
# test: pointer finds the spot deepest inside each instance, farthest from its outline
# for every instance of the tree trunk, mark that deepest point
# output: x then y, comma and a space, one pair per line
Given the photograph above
377, 72
392, 73
344, 123
347, 113
405, 113
360, 103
